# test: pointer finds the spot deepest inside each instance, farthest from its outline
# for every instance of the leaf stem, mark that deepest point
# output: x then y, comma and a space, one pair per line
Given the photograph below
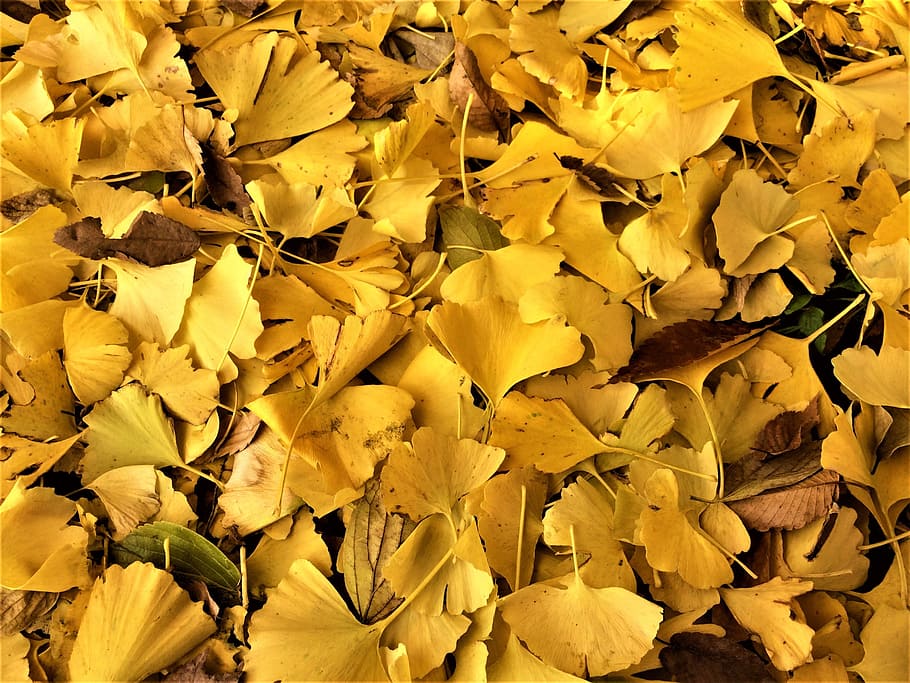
468, 199
521, 533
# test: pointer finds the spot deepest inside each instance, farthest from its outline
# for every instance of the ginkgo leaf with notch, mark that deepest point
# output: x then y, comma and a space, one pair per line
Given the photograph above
250, 79
95, 352
488, 339
435, 472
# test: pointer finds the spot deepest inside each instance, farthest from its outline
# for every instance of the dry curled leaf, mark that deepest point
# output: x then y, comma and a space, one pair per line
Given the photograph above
489, 110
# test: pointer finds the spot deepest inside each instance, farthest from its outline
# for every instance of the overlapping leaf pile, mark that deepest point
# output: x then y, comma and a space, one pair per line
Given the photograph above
486, 341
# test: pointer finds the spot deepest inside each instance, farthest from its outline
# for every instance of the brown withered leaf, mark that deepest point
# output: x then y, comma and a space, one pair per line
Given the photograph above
489, 110
21, 206
241, 434
20, 609
756, 473
224, 183
430, 48
681, 344
787, 431
152, 240
792, 507
702, 658
372, 536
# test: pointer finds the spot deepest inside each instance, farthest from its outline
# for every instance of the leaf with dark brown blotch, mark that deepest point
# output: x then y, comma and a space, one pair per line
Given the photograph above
152, 240
224, 183
21, 206
792, 507
682, 344
372, 537
703, 658
489, 110
789, 430
84, 237
756, 473
599, 179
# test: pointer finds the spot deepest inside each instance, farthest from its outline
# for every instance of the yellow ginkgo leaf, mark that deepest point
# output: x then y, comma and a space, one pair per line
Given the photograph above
765, 610
673, 544
331, 644
839, 565
39, 551
508, 273
654, 134
95, 354
44, 152
749, 214
583, 305
446, 571
488, 339
581, 630
879, 379
509, 522
427, 638
435, 472
137, 622
653, 241
344, 349
294, 210
836, 151
517, 664
546, 53
222, 317
150, 301
128, 428
14, 649
542, 433
323, 158
582, 520
401, 202
713, 36
252, 78
130, 496
188, 393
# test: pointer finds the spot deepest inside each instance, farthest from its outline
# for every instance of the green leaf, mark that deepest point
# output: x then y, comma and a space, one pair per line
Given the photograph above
190, 554
466, 227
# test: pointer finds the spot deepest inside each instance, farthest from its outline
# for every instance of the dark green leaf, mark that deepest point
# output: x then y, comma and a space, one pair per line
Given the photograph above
190, 554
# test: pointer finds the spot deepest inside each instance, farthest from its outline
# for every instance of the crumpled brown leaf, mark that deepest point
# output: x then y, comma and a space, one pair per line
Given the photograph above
702, 658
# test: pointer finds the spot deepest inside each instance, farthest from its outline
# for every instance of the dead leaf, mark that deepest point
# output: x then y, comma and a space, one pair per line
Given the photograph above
152, 240
489, 111
695, 657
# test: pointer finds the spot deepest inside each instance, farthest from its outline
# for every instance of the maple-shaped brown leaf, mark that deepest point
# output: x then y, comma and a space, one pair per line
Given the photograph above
489, 110
694, 657
682, 344
224, 183
372, 537
152, 240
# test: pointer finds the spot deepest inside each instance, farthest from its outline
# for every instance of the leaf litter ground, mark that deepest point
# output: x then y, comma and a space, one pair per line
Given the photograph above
436, 340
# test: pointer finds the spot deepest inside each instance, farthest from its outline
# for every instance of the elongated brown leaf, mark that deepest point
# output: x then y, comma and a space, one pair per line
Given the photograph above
489, 110
679, 345
372, 537
224, 183
756, 473
153, 240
